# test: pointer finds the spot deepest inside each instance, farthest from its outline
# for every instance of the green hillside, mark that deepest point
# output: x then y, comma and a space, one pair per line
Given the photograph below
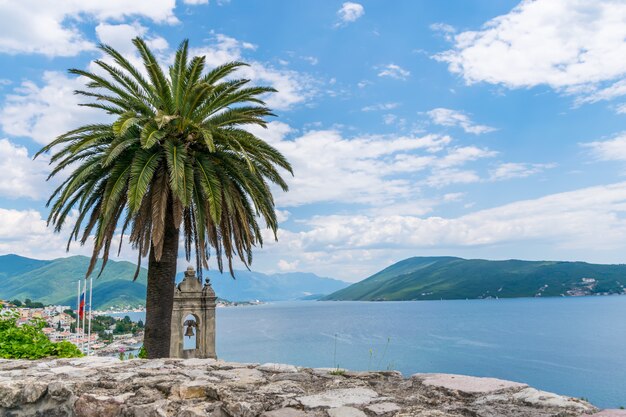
54, 282
434, 278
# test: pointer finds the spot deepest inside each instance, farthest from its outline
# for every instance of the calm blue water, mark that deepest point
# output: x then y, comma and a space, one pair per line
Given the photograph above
572, 346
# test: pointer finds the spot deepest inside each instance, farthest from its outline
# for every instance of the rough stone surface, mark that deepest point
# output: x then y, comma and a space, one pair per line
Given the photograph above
383, 408
467, 384
278, 367
285, 412
339, 397
346, 412
107, 387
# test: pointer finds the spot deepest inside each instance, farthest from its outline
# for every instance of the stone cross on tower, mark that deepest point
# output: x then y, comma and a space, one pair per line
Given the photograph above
193, 312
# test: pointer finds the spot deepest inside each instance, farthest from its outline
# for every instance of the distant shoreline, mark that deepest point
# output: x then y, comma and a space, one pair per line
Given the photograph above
481, 299
248, 304
143, 310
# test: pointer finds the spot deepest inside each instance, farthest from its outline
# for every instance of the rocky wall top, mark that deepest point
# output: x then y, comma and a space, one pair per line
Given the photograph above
106, 387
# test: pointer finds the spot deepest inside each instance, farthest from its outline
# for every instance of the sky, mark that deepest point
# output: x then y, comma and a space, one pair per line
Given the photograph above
479, 129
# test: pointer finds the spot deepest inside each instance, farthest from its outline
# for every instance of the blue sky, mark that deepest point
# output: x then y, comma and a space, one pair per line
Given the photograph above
476, 129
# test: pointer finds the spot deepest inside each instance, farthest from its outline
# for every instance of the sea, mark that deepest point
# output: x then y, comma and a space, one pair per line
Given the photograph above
573, 346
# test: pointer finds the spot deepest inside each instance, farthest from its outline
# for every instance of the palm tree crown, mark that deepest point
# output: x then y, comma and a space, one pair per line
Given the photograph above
177, 146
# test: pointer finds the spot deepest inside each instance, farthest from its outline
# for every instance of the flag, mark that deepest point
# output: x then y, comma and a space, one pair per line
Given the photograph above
81, 304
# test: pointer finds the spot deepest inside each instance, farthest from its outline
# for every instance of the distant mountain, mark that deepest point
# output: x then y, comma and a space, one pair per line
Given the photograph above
434, 278
250, 285
54, 282
14, 265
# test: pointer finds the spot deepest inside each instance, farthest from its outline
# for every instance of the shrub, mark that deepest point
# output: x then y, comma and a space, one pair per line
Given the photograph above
29, 341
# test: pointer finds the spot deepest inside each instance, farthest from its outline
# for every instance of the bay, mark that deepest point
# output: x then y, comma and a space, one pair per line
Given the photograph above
573, 346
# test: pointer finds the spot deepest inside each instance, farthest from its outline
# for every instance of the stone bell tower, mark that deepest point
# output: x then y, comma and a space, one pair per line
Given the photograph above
191, 298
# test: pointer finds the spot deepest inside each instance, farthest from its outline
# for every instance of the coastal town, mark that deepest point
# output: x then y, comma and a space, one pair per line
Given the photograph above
110, 336
113, 333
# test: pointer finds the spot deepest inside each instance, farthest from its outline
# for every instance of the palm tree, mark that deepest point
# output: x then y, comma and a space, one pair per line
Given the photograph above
176, 159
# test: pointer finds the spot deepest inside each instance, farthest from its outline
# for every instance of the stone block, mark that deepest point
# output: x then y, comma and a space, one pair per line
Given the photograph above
345, 412
467, 384
339, 397
277, 368
383, 408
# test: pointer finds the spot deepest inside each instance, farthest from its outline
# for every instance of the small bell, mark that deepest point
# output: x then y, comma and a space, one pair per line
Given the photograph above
189, 331
190, 324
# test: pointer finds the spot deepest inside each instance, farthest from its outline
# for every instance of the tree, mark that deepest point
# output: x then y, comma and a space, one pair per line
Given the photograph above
70, 312
176, 159
28, 341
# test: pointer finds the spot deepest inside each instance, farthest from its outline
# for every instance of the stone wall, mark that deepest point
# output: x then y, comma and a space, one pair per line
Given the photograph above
102, 387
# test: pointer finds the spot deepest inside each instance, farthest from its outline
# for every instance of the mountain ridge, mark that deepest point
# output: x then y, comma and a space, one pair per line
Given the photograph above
434, 278
282, 286
55, 282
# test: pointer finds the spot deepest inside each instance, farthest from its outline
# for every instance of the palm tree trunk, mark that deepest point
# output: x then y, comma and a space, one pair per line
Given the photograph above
160, 292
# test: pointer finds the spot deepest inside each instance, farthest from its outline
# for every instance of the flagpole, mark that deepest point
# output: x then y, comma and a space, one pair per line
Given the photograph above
77, 313
90, 309
83, 327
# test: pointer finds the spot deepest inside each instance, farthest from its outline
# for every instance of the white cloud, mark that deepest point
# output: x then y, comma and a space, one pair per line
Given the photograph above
51, 27
446, 30
293, 87
394, 71
620, 108
392, 119
561, 217
311, 60
380, 107
453, 197
120, 36
286, 266
511, 170
609, 150
21, 176
448, 176
44, 112
575, 46
350, 12
195, 2
25, 232
372, 170
448, 117
590, 222
389, 118
282, 215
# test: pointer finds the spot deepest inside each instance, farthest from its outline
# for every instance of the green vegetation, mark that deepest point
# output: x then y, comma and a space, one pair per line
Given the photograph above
434, 278
29, 342
338, 372
54, 282
107, 327
28, 303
